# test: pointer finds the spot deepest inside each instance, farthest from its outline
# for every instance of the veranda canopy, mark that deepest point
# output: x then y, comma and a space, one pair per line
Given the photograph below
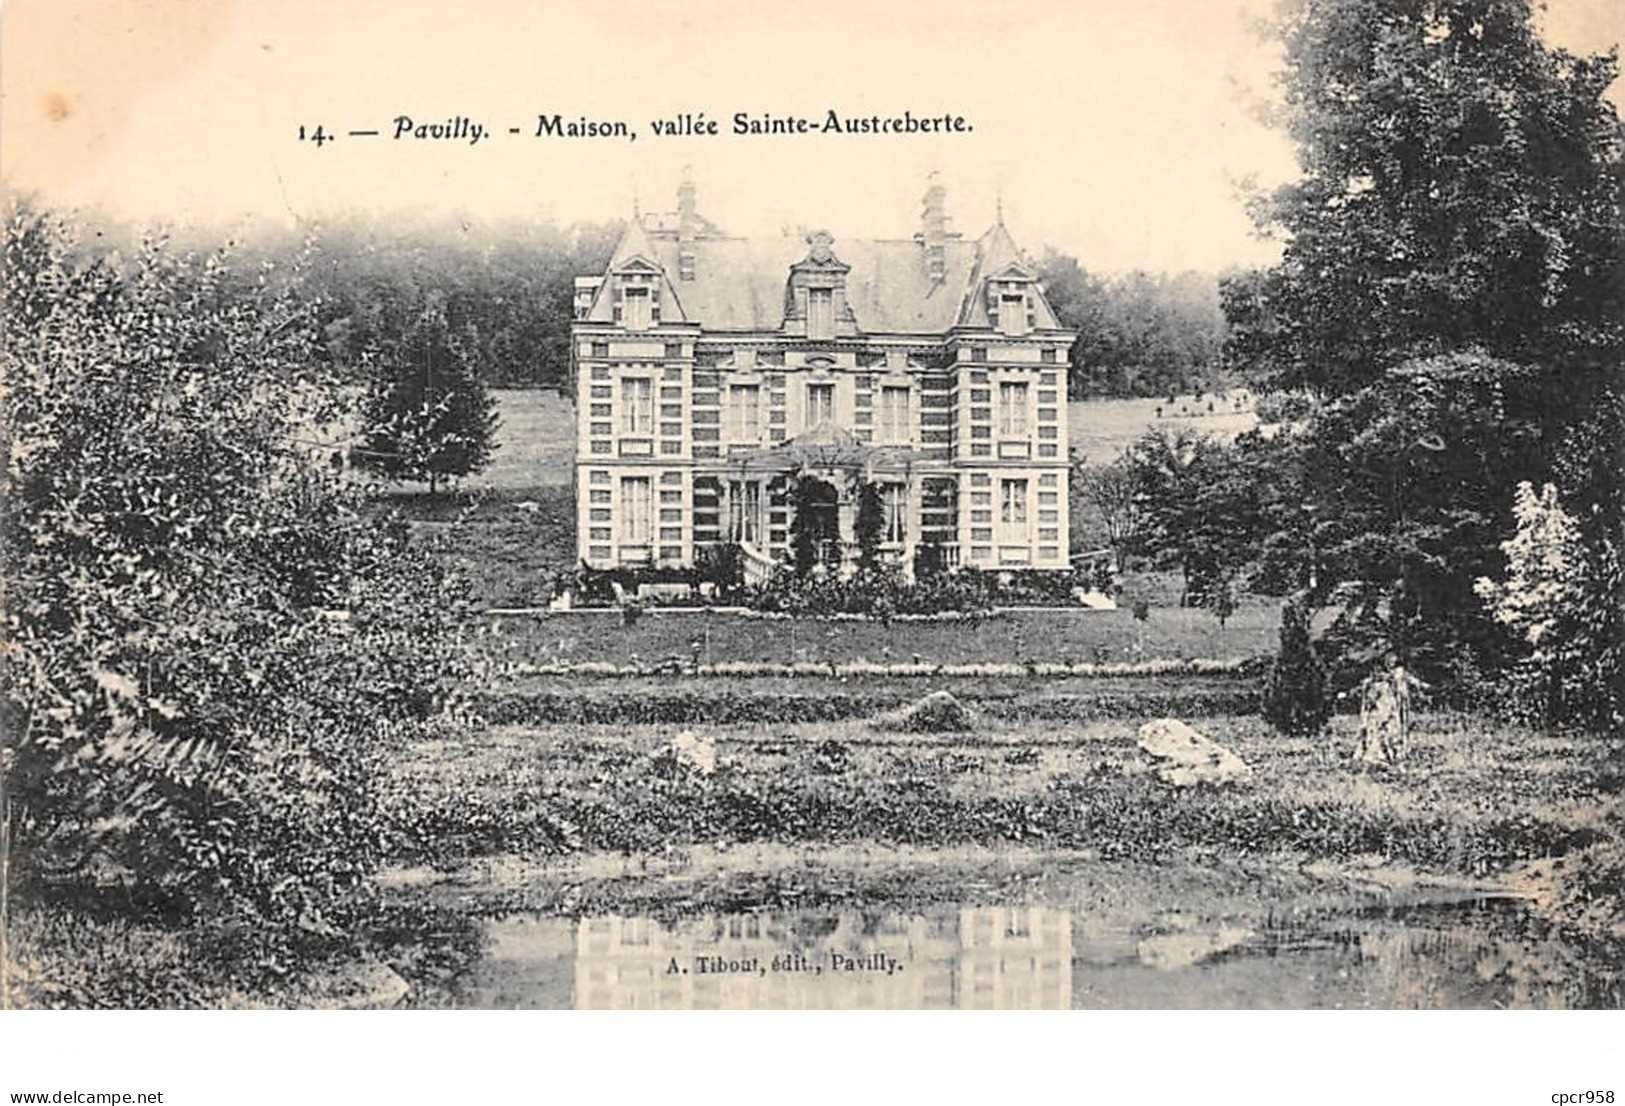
826, 446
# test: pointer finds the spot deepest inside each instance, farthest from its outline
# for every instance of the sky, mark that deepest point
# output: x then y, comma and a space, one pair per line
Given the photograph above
1116, 130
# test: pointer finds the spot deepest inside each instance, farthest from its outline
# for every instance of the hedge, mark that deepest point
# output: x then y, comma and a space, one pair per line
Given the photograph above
1242, 667
725, 707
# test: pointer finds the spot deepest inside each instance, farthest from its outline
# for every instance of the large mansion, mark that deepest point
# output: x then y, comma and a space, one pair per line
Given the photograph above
715, 373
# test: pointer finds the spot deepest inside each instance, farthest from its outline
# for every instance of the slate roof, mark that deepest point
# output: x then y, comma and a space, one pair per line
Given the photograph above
997, 254
739, 283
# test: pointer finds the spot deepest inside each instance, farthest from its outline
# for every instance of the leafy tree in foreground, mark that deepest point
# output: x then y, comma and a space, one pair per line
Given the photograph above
428, 417
1451, 283
209, 644
1408, 481
1460, 188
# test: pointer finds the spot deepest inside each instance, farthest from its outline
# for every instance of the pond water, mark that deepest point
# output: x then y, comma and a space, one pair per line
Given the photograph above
1470, 953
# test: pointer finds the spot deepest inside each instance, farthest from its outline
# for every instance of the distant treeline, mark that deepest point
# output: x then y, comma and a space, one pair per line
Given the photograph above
1139, 333
503, 286
505, 289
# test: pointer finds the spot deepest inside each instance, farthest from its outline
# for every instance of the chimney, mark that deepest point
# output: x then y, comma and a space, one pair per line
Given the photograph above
688, 227
934, 230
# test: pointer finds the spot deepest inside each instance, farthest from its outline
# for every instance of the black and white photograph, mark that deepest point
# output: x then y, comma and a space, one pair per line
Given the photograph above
1110, 507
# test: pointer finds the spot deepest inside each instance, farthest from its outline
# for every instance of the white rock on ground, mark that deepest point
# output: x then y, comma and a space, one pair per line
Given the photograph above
1185, 757
366, 986
1094, 600
697, 752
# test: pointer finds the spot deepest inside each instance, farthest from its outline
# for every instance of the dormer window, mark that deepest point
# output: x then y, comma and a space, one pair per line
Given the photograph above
1012, 313
820, 313
635, 308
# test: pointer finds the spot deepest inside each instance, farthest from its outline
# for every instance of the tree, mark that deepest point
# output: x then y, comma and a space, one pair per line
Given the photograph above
1110, 490
1543, 601
506, 286
1197, 508
1451, 283
1460, 188
1405, 485
870, 521
428, 416
1139, 333
807, 495
1295, 698
1220, 599
209, 642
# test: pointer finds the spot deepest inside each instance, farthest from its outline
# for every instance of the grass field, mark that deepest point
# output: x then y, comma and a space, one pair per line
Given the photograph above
1473, 800
537, 437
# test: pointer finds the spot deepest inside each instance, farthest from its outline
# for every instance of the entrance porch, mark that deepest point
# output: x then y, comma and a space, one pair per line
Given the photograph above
813, 485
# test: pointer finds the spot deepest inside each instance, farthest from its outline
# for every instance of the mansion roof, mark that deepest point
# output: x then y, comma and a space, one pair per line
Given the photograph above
736, 284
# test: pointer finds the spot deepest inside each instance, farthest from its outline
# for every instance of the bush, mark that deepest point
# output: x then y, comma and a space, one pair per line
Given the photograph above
596, 587
1295, 700
1555, 599
723, 567
211, 645
881, 592
727, 706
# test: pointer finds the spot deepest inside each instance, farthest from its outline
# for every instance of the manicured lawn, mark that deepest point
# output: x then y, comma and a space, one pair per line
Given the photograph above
1014, 637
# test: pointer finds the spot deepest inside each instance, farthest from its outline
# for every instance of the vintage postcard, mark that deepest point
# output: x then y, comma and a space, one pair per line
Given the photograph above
708, 506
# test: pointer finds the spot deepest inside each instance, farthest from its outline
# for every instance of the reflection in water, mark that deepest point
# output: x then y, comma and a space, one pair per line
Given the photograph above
989, 958
1032, 957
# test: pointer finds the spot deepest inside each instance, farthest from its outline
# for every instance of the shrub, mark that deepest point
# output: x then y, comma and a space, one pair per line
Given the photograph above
1295, 701
830, 757
723, 567
930, 559
728, 706
868, 524
211, 644
1552, 600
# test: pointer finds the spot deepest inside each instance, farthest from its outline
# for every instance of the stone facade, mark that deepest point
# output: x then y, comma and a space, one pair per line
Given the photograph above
714, 372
